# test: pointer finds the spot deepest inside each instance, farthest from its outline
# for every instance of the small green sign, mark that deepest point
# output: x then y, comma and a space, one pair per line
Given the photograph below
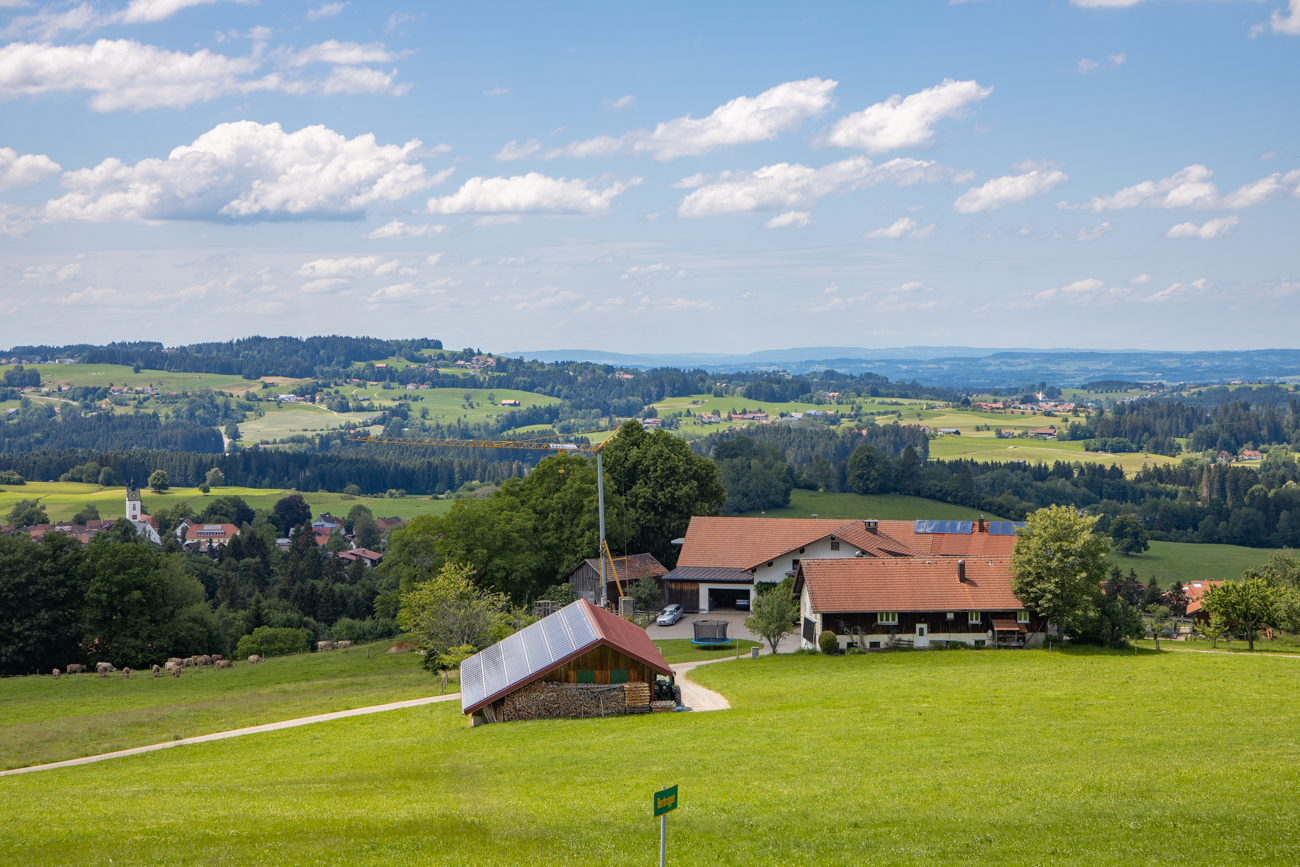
665, 800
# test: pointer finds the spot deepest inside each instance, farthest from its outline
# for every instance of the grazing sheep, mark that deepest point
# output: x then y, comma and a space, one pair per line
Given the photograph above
322, 646
103, 669
217, 657
343, 645
254, 659
156, 670
203, 660
56, 674
126, 672
190, 661
175, 670
225, 663
76, 668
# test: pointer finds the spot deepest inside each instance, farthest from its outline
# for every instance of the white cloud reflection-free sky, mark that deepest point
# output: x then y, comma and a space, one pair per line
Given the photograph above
737, 177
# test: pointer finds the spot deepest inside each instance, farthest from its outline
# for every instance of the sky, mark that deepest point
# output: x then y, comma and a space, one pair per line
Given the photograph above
715, 177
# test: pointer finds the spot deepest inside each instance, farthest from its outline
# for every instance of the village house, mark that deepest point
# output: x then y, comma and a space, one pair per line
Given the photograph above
917, 601
365, 555
723, 558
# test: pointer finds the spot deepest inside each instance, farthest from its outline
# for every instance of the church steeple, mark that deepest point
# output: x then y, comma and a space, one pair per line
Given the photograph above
132, 502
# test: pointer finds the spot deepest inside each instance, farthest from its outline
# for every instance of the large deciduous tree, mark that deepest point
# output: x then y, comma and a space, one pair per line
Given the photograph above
292, 511
868, 470
1128, 535
42, 585
1058, 564
1255, 602
448, 611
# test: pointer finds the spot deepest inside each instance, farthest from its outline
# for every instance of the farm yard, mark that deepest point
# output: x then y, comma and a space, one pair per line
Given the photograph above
971, 757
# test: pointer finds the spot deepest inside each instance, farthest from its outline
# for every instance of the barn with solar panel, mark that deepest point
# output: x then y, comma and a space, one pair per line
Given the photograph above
580, 661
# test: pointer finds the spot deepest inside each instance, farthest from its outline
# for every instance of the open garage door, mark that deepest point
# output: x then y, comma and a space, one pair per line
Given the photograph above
726, 598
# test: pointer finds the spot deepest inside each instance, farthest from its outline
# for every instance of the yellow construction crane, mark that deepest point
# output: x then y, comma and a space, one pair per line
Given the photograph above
535, 445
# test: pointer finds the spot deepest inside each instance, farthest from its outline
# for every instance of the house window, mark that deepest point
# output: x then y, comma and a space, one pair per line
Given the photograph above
586, 675
1022, 616
972, 617
794, 565
835, 544
769, 563
952, 615
801, 550
618, 675
887, 618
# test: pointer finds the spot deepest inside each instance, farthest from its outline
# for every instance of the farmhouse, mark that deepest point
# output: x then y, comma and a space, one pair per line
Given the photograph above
580, 661
877, 603
586, 578
1195, 591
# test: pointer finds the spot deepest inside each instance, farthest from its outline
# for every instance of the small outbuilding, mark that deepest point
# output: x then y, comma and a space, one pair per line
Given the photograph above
586, 578
580, 661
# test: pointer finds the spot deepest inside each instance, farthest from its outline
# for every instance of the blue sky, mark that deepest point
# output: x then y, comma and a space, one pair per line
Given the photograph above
1097, 174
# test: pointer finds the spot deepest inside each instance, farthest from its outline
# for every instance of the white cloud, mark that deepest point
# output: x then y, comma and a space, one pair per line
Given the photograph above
499, 220
1086, 292
25, 170
247, 171
1086, 66
51, 273
1192, 188
325, 10
696, 180
545, 299
651, 273
397, 290
900, 122
1140, 279
787, 185
1178, 292
1212, 229
743, 120
911, 295
1008, 190
533, 193
143, 11
902, 228
789, 218
512, 150
618, 104
124, 74
1105, 4
348, 266
398, 229
496, 91
1096, 233
1288, 25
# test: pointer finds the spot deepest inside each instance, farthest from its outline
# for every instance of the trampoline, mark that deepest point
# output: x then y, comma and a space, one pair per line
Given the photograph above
708, 632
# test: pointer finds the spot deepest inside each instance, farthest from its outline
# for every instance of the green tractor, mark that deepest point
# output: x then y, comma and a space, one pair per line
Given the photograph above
666, 689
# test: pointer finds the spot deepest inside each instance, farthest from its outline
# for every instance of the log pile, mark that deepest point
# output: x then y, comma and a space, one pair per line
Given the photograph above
546, 700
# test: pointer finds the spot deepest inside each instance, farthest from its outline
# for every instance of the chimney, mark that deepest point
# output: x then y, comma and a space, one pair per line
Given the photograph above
961, 571
871, 525
979, 526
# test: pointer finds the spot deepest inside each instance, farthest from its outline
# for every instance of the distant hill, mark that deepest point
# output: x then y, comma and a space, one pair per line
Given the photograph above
957, 366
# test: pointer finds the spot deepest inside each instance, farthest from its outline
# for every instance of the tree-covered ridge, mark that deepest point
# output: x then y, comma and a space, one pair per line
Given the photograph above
105, 433
1152, 426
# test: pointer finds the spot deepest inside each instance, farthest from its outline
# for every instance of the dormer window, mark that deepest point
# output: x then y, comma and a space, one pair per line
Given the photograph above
835, 544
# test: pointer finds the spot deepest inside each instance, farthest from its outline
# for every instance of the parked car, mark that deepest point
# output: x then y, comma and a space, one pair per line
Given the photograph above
670, 615
742, 604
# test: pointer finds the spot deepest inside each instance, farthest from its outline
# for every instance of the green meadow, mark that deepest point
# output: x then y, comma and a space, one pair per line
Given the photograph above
944, 757
883, 507
47, 720
62, 500
677, 650
1168, 562
101, 375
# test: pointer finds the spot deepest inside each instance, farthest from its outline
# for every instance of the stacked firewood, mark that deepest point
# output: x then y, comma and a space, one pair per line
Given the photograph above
546, 700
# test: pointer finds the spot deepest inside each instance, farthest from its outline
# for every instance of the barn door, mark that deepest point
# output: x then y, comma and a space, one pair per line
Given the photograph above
922, 635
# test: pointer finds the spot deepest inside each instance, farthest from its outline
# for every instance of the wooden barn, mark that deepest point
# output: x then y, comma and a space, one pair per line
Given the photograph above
580, 661
586, 578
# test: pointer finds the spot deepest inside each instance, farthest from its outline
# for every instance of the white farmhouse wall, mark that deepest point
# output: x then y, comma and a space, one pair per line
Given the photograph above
819, 550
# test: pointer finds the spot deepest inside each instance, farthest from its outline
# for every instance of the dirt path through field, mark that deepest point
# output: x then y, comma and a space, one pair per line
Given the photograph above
234, 733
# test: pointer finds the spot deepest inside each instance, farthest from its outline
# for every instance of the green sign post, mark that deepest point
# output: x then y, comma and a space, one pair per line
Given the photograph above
665, 801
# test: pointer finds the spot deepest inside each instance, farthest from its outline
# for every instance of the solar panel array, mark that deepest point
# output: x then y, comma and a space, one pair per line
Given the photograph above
530, 651
996, 528
944, 526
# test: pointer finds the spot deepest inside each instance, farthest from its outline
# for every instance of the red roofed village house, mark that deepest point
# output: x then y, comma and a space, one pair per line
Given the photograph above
914, 601
723, 558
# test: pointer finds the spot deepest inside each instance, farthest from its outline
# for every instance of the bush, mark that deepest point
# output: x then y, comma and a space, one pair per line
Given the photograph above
828, 642
9, 477
270, 641
363, 631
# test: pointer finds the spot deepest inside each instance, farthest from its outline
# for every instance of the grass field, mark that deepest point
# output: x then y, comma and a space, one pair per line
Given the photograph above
677, 650
987, 447
1185, 561
884, 507
62, 500
100, 375
48, 720
964, 758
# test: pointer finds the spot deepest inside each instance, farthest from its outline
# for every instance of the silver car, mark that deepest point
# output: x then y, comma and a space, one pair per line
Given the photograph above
670, 615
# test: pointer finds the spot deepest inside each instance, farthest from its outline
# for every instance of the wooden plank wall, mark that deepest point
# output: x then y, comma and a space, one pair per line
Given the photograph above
602, 660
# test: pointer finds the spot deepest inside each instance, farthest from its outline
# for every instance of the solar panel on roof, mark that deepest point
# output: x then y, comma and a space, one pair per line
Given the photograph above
528, 652
944, 526
1004, 528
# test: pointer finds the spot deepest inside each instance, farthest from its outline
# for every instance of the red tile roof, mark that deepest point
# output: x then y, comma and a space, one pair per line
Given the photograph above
743, 543
907, 584
211, 532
